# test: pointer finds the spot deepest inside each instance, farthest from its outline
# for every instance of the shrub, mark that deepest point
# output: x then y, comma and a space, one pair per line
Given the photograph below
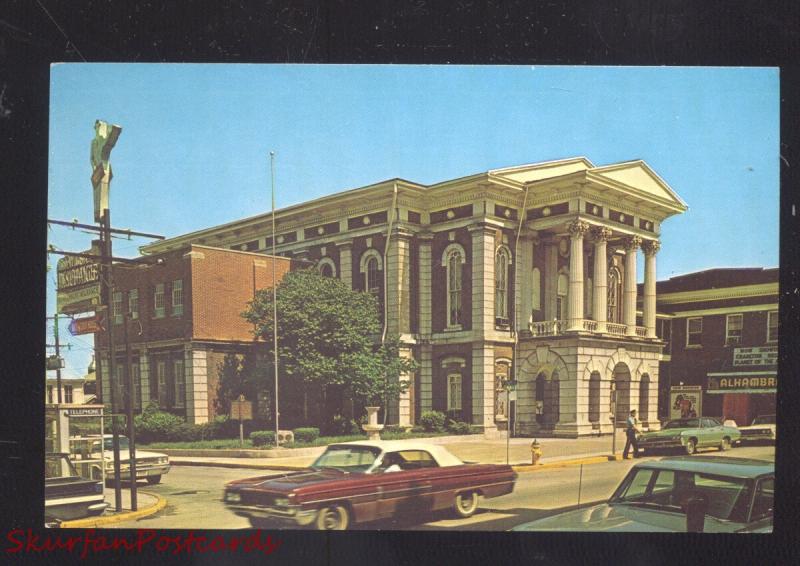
340, 426
432, 421
458, 427
417, 428
306, 435
263, 438
154, 425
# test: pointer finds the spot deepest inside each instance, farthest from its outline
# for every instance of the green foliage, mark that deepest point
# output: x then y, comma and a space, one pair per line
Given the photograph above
305, 435
249, 375
263, 438
342, 426
154, 424
327, 336
432, 421
458, 427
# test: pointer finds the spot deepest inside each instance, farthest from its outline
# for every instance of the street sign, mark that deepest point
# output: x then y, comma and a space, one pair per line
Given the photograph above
242, 410
87, 325
85, 412
78, 282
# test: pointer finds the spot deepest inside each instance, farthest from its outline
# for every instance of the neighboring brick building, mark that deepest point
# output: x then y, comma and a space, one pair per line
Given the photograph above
185, 307
721, 328
474, 292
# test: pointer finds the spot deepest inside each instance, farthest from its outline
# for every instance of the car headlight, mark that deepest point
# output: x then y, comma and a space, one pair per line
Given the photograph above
233, 497
281, 501
163, 460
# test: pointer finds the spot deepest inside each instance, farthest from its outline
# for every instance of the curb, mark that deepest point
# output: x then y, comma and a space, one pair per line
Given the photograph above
117, 518
563, 463
277, 467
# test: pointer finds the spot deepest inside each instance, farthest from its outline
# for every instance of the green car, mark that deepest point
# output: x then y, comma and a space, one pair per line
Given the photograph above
689, 435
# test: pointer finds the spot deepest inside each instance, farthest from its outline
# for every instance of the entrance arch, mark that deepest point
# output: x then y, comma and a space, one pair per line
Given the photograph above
644, 398
594, 398
621, 381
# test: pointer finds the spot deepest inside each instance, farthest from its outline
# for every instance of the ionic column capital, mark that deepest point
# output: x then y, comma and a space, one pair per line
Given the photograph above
632, 243
577, 228
651, 247
601, 234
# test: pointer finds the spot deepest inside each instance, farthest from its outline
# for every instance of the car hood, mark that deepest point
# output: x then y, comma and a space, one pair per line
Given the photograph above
619, 518
290, 481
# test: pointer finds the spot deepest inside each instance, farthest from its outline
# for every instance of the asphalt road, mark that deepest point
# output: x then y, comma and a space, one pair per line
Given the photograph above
194, 497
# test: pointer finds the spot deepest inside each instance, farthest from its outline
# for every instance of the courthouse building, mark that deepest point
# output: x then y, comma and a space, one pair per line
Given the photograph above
526, 272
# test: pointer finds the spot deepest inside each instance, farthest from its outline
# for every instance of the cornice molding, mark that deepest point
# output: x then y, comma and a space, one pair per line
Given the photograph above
725, 310
741, 291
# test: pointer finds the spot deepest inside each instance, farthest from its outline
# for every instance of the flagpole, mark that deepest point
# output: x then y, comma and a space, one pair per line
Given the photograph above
274, 296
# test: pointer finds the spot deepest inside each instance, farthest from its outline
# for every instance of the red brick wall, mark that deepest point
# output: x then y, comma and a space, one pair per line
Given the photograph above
223, 282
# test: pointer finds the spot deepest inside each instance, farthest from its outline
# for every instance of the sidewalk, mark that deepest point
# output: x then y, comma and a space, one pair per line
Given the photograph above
146, 504
471, 448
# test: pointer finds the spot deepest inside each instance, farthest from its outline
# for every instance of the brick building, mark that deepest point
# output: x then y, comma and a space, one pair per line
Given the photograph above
528, 271
721, 329
185, 310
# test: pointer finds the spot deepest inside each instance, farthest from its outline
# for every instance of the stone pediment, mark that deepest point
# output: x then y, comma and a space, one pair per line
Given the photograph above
540, 171
636, 175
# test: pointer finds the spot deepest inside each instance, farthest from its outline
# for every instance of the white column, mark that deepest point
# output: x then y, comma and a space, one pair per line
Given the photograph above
483, 249
575, 299
523, 265
425, 392
650, 248
346, 263
629, 291
483, 386
601, 235
398, 276
196, 370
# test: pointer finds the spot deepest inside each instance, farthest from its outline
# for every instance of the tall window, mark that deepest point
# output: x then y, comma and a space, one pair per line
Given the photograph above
177, 297
561, 296
644, 398
326, 270
454, 392
454, 261
772, 326
116, 305
536, 289
612, 303
137, 386
180, 384
733, 328
120, 391
694, 331
133, 303
161, 374
373, 277
158, 301
68, 394
501, 262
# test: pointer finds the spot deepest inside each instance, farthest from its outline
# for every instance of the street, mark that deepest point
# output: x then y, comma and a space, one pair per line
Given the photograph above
194, 493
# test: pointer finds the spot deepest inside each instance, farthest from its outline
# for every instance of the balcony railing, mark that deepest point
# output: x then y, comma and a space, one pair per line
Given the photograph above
558, 327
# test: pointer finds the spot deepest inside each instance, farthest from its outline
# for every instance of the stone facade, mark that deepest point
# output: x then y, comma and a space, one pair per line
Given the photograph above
525, 273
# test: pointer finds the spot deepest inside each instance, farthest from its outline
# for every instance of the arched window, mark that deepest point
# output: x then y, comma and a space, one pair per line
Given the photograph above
454, 392
644, 401
614, 279
371, 265
554, 412
453, 259
594, 397
501, 262
326, 267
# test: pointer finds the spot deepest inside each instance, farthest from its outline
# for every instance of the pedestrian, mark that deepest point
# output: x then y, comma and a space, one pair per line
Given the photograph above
631, 430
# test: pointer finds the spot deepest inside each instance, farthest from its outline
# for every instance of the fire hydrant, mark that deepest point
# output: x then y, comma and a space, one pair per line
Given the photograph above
536, 452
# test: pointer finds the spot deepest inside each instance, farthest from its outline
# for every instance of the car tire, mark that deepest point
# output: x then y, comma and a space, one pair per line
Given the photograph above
725, 444
691, 446
466, 504
153, 480
333, 518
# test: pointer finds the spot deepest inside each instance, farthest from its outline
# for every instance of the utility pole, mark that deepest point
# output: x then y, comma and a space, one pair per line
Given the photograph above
274, 298
58, 355
129, 413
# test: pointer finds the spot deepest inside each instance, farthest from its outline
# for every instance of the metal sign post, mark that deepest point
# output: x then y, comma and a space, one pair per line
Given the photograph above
510, 386
243, 411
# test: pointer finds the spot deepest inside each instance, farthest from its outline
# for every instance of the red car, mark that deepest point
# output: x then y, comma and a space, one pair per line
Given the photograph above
356, 482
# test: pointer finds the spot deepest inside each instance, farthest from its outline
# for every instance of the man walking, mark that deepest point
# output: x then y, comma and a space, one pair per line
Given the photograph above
631, 430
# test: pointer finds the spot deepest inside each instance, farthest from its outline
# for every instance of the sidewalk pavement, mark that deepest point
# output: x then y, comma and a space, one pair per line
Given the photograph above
146, 504
473, 448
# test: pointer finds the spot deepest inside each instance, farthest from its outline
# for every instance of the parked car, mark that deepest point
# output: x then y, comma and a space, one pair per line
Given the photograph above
66, 494
86, 451
711, 494
690, 435
356, 482
762, 429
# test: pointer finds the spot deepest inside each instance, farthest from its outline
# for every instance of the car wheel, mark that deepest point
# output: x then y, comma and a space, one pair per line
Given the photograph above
691, 446
725, 444
153, 480
333, 518
466, 504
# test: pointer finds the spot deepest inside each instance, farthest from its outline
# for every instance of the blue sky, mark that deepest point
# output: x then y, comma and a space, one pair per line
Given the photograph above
194, 149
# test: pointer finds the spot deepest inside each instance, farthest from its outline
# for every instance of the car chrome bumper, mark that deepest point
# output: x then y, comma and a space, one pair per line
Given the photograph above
141, 473
292, 515
644, 444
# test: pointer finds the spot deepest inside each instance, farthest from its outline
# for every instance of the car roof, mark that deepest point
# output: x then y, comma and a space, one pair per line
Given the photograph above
720, 465
440, 453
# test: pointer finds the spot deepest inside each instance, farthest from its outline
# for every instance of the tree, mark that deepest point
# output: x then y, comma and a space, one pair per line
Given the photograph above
245, 374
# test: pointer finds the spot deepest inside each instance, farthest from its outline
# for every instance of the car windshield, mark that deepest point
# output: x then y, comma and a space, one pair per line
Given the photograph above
683, 423
108, 443
58, 466
727, 497
347, 458
765, 419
